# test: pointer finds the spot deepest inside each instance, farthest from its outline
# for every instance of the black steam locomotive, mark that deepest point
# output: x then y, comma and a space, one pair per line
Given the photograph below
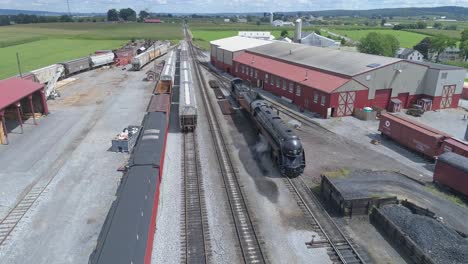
285, 145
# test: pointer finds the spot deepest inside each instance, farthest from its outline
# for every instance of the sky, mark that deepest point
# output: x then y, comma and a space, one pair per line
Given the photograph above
213, 6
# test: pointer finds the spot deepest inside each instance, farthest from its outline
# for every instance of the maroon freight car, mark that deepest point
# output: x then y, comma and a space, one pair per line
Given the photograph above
160, 103
413, 136
452, 170
454, 145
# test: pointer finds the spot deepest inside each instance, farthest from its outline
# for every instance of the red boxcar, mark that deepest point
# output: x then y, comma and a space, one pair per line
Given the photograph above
160, 103
454, 145
452, 170
414, 136
465, 93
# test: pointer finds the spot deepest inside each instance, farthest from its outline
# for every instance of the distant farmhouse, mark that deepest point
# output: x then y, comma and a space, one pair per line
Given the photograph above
281, 23
409, 54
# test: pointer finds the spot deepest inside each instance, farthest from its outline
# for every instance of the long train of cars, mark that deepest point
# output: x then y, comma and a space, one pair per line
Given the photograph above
433, 144
285, 146
68, 68
128, 231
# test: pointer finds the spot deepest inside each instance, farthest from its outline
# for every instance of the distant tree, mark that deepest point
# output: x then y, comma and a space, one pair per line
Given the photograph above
464, 35
143, 14
421, 25
317, 31
441, 42
234, 19
284, 33
379, 44
398, 27
343, 41
250, 18
424, 47
94, 20
128, 14
438, 25
382, 22
112, 15
464, 49
66, 18
258, 23
4, 20
451, 27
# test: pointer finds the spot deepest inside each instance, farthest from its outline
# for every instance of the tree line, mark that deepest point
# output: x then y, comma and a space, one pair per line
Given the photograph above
29, 19
128, 14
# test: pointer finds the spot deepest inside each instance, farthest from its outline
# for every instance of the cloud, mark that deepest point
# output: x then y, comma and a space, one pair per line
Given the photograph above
210, 6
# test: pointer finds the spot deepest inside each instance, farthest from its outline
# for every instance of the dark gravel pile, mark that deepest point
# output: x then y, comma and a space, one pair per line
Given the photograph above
443, 244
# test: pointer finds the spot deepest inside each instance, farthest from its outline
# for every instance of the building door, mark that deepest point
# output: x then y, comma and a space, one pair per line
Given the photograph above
447, 96
346, 103
404, 99
382, 97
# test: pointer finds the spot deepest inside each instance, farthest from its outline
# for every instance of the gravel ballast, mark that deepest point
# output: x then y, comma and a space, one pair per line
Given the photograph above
441, 243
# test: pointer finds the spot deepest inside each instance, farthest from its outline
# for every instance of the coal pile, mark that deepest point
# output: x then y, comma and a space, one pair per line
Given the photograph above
443, 244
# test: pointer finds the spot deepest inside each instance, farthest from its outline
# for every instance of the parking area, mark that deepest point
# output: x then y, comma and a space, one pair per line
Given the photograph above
68, 152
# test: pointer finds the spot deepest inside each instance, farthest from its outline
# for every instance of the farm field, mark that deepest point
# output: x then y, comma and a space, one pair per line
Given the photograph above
41, 53
407, 39
44, 44
432, 31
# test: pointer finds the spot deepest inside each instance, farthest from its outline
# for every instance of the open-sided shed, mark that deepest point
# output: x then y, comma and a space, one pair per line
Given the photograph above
20, 96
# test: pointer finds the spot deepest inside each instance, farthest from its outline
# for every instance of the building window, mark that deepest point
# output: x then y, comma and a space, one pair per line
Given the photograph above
272, 80
291, 87
237, 67
284, 85
266, 77
323, 100
298, 90
256, 74
251, 72
242, 69
315, 97
368, 77
444, 75
278, 82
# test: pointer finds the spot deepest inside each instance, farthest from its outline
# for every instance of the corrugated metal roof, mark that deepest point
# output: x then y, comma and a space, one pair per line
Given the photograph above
454, 160
316, 79
337, 61
238, 43
437, 66
13, 89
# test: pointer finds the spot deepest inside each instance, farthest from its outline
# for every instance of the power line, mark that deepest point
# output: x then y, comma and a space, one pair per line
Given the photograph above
68, 5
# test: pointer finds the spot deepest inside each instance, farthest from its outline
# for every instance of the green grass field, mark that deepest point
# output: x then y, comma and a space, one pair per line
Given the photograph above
44, 44
407, 39
41, 53
432, 31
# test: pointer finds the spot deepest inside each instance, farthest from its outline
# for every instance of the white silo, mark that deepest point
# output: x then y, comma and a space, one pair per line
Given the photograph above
271, 18
298, 30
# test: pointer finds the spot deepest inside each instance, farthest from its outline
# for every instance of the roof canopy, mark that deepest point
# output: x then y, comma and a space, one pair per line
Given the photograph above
238, 43
316, 79
331, 60
13, 90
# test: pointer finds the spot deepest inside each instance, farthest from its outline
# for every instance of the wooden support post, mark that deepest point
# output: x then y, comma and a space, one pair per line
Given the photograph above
32, 108
20, 120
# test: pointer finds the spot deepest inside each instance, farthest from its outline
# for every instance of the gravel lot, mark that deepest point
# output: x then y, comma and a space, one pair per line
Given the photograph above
71, 146
444, 245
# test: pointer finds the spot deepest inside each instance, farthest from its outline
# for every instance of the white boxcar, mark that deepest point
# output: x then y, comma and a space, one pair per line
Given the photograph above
168, 71
102, 59
187, 100
44, 75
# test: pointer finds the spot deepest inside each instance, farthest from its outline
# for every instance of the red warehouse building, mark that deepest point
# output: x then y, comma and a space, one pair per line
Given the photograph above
333, 82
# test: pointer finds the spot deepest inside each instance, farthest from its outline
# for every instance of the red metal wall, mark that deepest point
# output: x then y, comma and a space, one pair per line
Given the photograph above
451, 176
465, 93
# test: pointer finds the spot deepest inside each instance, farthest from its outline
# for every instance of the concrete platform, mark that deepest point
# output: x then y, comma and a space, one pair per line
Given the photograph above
70, 147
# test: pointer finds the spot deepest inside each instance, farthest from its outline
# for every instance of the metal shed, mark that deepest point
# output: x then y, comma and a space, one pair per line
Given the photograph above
20, 96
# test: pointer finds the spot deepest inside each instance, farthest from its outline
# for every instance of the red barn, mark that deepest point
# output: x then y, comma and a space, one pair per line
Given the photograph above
152, 20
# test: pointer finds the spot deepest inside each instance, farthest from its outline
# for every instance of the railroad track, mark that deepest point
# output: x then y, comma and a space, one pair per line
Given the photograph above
195, 241
341, 249
247, 237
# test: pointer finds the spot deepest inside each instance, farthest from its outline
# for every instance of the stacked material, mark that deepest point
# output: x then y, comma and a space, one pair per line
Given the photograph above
442, 243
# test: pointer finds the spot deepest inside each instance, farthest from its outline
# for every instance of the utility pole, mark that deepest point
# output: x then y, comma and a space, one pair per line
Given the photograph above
19, 64
68, 5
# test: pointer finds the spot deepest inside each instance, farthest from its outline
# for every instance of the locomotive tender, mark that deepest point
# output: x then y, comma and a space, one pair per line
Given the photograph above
286, 148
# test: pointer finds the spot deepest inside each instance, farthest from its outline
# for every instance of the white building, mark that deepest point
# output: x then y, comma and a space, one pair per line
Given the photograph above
227, 20
264, 35
314, 39
242, 20
281, 23
409, 54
